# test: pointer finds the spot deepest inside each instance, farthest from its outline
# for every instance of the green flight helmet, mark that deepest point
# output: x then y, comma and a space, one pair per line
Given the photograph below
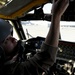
5, 29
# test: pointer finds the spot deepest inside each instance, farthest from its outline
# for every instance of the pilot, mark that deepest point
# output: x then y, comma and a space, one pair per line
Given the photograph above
12, 61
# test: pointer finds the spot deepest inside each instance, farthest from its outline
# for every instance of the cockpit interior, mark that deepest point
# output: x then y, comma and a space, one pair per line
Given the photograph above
23, 15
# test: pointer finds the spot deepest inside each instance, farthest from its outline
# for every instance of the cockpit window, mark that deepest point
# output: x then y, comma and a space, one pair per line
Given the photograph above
40, 28
35, 28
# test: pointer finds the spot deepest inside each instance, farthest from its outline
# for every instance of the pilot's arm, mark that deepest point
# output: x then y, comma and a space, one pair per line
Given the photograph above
58, 8
50, 46
47, 56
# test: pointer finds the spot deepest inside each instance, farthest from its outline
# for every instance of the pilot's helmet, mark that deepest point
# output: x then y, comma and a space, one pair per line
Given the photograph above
5, 29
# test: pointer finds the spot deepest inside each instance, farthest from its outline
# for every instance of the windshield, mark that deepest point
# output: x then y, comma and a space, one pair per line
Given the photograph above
39, 28
35, 28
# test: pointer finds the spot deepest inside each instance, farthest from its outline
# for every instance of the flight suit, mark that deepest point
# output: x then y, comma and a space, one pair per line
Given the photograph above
35, 65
